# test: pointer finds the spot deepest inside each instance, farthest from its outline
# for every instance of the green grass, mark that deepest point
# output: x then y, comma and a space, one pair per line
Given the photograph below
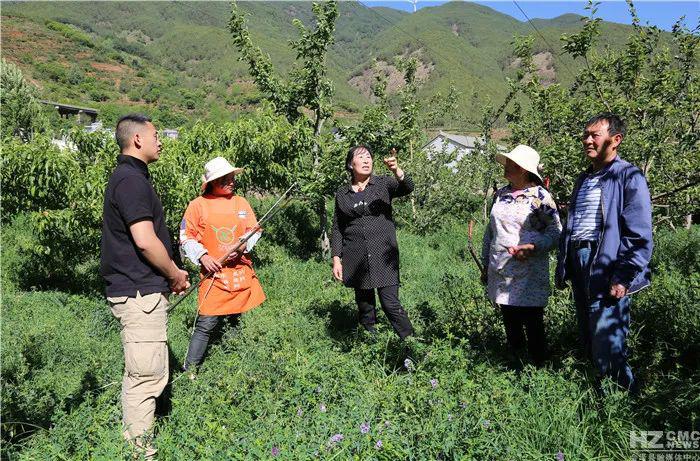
267, 383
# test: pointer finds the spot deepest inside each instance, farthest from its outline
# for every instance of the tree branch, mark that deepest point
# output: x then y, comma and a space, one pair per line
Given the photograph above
692, 183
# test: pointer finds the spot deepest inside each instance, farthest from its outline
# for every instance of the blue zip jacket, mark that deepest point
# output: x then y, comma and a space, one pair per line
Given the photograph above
625, 242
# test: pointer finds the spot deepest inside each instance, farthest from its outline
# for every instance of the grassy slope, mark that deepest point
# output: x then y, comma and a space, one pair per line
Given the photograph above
264, 386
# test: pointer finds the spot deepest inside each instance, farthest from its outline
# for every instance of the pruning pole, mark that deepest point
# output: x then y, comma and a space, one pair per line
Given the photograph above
475, 257
413, 199
470, 246
242, 241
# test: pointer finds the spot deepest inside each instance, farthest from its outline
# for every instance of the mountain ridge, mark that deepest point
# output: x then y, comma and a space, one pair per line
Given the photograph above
179, 57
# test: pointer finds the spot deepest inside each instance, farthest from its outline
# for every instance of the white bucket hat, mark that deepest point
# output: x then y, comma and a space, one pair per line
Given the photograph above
525, 157
217, 168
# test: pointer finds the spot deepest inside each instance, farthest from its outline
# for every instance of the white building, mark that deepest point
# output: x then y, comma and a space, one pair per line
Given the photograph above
450, 143
171, 133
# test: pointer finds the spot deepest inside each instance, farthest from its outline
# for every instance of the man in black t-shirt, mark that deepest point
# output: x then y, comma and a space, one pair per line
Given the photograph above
137, 265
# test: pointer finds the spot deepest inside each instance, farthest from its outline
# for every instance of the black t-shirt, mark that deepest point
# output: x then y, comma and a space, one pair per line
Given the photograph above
130, 198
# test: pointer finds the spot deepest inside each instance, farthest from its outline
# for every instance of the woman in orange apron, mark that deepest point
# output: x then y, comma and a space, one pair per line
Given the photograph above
212, 226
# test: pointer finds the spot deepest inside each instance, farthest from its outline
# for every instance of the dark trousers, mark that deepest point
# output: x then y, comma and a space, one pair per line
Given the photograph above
525, 327
603, 323
389, 298
203, 329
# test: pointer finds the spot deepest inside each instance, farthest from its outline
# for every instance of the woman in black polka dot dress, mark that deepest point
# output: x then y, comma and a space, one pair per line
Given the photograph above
364, 247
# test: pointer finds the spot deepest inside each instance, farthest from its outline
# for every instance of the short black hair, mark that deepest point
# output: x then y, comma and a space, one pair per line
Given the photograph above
615, 123
351, 154
125, 128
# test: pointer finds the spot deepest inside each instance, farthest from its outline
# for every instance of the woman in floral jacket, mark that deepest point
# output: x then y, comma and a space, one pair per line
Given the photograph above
524, 227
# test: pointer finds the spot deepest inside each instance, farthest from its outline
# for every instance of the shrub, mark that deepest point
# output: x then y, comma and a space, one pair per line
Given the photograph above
21, 113
63, 350
669, 361
71, 32
35, 176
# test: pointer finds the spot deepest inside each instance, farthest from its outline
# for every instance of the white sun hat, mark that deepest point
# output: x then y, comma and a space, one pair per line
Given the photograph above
217, 168
524, 156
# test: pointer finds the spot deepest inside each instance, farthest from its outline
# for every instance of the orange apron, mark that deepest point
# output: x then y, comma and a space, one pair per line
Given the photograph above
235, 288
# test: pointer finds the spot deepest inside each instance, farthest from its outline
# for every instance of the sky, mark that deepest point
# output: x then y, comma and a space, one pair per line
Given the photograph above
658, 13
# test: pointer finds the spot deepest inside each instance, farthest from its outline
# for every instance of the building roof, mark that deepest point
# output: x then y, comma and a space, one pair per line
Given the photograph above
468, 142
71, 107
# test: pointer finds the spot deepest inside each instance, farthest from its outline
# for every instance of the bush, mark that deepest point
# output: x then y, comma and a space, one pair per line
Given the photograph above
447, 189
71, 32
75, 76
35, 177
21, 112
64, 349
99, 94
293, 228
669, 361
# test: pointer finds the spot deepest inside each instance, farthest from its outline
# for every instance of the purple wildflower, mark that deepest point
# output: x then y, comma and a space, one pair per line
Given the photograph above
300, 411
378, 445
486, 423
463, 405
449, 416
434, 383
322, 408
408, 364
337, 438
364, 428
560, 456
275, 451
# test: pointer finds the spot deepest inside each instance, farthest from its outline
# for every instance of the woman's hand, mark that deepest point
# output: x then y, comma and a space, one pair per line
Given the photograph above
337, 269
209, 264
393, 165
233, 256
522, 252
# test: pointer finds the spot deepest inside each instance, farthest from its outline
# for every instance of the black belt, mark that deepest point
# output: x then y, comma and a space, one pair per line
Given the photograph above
577, 244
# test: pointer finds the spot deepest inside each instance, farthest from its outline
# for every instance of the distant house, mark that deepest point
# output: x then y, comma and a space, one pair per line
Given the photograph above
171, 133
450, 143
94, 126
64, 144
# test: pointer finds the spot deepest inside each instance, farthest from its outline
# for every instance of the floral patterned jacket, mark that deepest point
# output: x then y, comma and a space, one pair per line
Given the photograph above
517, 218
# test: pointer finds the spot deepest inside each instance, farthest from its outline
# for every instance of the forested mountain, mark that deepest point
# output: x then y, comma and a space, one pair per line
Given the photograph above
177, 60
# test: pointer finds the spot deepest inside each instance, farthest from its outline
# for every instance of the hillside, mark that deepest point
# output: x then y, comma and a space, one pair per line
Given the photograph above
176, 59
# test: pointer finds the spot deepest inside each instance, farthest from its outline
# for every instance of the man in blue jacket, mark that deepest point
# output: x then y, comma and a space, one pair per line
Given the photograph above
606, 246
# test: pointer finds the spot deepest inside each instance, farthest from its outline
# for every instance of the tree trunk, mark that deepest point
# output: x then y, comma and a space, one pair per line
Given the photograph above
324, 241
